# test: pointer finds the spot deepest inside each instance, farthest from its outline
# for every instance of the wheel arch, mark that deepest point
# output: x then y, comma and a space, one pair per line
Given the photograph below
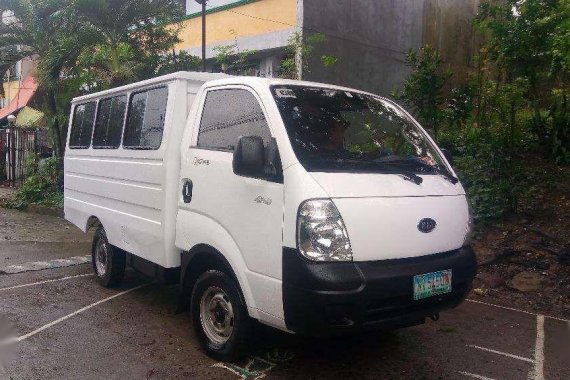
197, 260
93, 222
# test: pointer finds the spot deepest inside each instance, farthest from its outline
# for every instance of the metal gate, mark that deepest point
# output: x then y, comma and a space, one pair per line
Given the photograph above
16, 146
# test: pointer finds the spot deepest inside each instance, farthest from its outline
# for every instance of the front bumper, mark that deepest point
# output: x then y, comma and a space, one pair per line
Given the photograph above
322, 298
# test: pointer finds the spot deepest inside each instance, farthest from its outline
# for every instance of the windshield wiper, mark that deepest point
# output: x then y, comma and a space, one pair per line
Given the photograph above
407, 175
445, 173
383, 166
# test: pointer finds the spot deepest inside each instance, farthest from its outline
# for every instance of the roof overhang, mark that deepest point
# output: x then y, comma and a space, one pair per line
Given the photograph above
26, 92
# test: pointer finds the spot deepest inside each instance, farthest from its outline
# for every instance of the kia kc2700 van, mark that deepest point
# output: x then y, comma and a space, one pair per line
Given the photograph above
308, 207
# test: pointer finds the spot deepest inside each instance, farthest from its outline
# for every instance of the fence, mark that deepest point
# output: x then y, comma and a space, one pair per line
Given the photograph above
16, 146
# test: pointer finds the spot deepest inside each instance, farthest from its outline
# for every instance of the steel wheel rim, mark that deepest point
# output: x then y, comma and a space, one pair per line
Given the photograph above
101, 255
216, 315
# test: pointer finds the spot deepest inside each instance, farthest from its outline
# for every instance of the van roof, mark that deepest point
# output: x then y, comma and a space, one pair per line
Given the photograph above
216, 78
192, 76
252, 81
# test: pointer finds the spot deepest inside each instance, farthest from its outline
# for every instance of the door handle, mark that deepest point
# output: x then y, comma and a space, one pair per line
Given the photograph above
187, 191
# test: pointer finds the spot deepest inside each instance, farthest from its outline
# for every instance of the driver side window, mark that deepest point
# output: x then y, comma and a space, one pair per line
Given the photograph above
229, 114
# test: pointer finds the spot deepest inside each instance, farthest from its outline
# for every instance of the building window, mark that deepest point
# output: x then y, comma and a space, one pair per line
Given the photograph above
109, 123
82, 126
228, 115
145, 120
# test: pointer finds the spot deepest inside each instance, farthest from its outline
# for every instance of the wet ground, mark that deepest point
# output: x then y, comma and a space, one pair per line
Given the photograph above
64, 325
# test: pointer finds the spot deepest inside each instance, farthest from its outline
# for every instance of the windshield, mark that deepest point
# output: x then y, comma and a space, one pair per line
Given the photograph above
336, 130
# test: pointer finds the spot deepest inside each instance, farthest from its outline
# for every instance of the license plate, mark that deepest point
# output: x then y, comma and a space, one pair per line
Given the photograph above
432, 284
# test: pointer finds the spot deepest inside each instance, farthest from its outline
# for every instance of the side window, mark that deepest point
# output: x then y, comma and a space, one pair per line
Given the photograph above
229, 114
145, 120
109, 123
82, 126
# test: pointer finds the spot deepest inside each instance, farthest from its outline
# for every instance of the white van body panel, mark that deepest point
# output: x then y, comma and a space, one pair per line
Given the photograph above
133, 192
240, 217
363, 185
390, 231
299, 186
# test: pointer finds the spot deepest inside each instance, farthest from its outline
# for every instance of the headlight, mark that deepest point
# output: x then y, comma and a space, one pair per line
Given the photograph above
321, 234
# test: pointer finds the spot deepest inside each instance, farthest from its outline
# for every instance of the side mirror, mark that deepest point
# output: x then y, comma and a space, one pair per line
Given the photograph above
448, 156
249, 157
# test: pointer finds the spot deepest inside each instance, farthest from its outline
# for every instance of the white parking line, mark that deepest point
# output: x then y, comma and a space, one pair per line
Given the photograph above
57, 321
539, 349
501, 353
45, 282
475, 376
518, 310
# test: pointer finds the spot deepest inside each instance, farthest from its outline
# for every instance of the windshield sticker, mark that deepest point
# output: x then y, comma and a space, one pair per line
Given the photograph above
284, 93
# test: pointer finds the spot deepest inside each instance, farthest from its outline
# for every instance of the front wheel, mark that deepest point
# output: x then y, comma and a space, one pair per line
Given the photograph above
219, 315
108, 262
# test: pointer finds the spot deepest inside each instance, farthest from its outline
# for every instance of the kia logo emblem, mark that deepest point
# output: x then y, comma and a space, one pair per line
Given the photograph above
426, 225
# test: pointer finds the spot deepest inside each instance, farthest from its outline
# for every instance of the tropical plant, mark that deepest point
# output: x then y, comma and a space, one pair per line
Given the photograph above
299, 51
40, 31
127, 38
41, 186
231, 57
529, 40
83, 45
181, 61
424, 89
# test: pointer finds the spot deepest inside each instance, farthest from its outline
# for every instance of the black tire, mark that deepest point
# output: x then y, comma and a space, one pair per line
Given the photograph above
111, 270
231, 349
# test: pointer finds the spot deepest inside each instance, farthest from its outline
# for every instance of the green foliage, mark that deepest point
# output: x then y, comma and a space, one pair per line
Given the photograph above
231, 58
174, 62
424, 89
300, 49
41, 31
328, 60
493, 171
41, 186
512, 114
124, 41
488, 130
87, 45
529, 40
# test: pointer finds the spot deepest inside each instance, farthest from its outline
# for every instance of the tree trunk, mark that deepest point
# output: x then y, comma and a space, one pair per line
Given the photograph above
54, 126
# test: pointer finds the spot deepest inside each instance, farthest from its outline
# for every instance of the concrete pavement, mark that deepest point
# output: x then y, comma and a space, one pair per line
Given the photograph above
63, 325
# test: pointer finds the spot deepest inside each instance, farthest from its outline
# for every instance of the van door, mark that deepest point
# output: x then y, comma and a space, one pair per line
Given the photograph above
218, 206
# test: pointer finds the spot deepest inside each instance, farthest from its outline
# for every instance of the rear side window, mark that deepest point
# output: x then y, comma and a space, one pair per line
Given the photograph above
82, 126
145, 120
229, 114
109, 123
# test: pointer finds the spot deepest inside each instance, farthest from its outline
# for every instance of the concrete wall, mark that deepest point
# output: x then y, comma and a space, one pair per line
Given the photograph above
448, 26
371, 38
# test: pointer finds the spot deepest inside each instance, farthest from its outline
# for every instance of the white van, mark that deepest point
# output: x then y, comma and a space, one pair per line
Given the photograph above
311, 208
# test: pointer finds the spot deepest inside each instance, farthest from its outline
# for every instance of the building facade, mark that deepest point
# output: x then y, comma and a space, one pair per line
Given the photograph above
262, 27
369, 39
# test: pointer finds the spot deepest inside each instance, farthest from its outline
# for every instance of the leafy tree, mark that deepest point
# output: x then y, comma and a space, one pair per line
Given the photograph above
529, 40
300, 49
88, 45
39, 30
230, 57
128, 38
181, 61
424, 88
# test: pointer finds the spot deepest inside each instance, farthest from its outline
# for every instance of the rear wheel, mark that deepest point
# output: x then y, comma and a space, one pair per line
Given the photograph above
219, 315
108, 262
